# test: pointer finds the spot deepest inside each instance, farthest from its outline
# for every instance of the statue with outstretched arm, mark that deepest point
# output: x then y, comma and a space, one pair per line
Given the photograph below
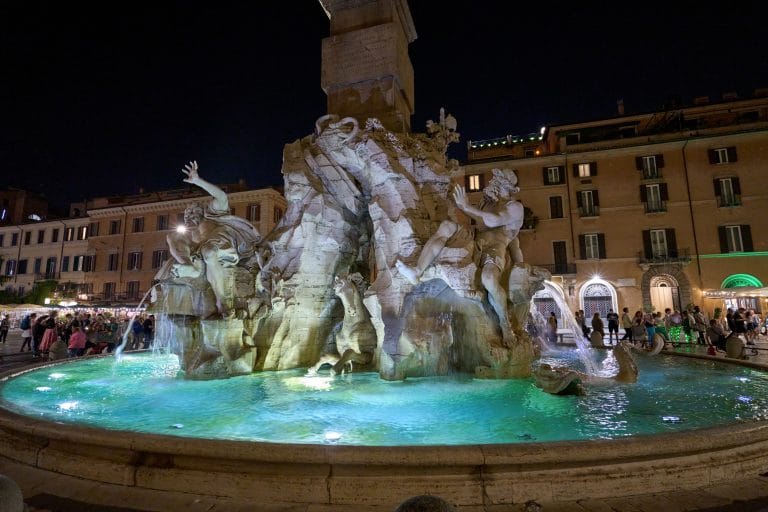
211, 241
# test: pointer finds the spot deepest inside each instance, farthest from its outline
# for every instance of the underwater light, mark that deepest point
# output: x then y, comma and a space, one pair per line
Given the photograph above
67, 406
43, 388
56, 375
332, 436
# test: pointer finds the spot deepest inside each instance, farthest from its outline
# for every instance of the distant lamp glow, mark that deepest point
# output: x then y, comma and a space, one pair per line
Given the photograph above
596, 277
181, 228
47, 301
543, 129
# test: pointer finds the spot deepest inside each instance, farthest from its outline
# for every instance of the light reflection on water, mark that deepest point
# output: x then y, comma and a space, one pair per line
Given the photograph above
145, 393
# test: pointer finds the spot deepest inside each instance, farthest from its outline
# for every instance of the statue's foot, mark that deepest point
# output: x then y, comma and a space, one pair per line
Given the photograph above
409, 273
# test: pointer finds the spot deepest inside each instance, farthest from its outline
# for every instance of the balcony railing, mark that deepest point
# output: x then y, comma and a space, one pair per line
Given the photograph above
652, 174
658, 207
559, 268
728, 202
671, 256
589, 211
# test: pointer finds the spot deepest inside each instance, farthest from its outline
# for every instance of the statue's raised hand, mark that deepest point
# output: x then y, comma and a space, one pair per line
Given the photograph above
191, 171
460, 196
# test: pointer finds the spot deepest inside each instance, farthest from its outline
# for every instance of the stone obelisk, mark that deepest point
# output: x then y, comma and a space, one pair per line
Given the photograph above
366, 69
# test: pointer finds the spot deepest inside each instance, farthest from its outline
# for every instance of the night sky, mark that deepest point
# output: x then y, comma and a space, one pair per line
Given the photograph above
104, 98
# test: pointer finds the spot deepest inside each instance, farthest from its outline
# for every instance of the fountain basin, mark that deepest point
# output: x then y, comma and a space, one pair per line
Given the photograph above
159, 472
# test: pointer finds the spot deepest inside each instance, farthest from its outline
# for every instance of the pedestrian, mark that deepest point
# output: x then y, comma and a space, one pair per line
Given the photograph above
26, 331
5, 324
613, 326
626, 324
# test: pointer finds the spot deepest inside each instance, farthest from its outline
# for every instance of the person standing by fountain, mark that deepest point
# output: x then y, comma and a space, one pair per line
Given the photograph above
212, 240
613, 326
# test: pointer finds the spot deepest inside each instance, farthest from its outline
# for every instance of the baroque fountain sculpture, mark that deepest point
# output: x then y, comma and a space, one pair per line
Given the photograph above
370, 269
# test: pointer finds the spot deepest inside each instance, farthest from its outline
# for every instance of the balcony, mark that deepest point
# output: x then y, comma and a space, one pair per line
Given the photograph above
672, 256
559, 268
589, 211
656, 207
728, 202
652, 174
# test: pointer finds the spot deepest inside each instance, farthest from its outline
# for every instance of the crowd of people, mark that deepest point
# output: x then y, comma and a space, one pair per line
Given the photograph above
687, 326
52, 336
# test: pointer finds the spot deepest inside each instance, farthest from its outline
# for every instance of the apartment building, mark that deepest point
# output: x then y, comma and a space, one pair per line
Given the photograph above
661, 209
110, 255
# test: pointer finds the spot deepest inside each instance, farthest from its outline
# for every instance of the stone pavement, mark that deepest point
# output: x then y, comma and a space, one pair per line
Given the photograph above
748, 495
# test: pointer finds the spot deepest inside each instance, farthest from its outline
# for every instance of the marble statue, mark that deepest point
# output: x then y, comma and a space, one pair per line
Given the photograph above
370, 268
212, 241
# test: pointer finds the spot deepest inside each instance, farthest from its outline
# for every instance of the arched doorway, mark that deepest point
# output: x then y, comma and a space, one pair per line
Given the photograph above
665, 293
597, 296
550, 300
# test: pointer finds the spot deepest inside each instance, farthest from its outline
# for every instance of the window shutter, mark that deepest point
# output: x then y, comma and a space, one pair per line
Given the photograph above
639, 163
663, 191
466, 182
561, 174
601, 245
659, 161
671, 242
593, 168
746, 238
712, 156
582, 247
578, 199
736, 186
721, 234
482, 181
545, 174
647, 243
643, 193
575, 170
718, 188
732, 154
595, 198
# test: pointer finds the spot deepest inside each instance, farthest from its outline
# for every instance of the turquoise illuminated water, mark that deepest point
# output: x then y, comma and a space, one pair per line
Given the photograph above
143, 393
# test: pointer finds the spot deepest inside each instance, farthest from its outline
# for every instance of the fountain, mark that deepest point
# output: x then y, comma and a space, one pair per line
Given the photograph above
374, 288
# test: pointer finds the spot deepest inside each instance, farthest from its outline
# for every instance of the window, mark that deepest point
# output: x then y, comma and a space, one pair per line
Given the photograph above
82, 233
132, 290
554, 175
253, 213
10, 267
93, 229
727, 191
55, 235
278, 214
38, 265
735, 238
585, 170
114, 227
89, 263
588, 203
50, 268
69, 234
722, 155
474, 182
159, 257
134, 260
14, 239
650, 165
78, 263
162, 222
109, 290
180, 219
555, 207
655, 197
138, 225
112, 261
592, 246
22, 267
41, 236
27, 237
65, 264
659, 244
2, 239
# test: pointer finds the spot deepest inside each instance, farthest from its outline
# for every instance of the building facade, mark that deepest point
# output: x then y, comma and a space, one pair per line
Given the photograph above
650, 211
110, 256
